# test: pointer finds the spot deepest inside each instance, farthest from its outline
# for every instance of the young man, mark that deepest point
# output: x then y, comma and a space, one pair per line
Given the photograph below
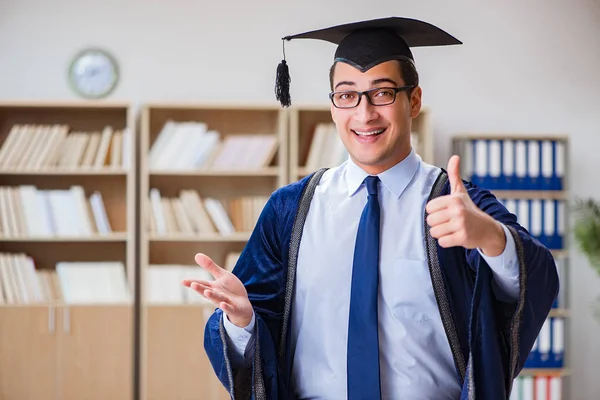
384, 277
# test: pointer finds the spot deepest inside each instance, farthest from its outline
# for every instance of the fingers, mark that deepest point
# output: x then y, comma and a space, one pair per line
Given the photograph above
439, 204
205, 289
456, 184
439, 217
452, 240
207, 263
445, 229
189, 282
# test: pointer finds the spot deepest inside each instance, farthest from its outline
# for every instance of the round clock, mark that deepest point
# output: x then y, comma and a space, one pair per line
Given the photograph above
93, 73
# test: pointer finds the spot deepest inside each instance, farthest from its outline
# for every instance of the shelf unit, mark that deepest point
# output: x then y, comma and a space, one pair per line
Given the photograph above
544, 167
305, 120
52, 176
172, 356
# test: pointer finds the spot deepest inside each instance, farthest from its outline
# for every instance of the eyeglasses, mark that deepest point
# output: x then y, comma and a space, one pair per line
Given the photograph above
375, 97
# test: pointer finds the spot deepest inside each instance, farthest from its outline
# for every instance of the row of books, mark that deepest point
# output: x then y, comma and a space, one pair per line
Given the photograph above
38, 147
164, 282
513, 164
192, 145
527, 387
189, 213
549, 347
71, 282
327, 149
543, 218
26, 211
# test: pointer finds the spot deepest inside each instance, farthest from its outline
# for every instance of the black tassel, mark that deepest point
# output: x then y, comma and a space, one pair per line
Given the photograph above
282, 84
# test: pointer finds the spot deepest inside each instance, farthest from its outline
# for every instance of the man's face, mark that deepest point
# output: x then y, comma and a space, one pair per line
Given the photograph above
391, 123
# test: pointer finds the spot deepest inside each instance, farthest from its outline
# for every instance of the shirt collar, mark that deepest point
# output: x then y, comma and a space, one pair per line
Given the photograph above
394, 179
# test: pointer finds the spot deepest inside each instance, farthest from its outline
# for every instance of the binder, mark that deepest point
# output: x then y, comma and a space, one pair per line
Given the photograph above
540, 388
558, 342
520, 165
480, 163
508, 165
545, 359
534, 181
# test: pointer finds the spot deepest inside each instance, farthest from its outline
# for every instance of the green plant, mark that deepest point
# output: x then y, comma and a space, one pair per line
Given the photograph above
587, 234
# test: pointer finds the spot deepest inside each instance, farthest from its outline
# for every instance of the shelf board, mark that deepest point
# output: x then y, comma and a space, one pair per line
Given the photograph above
559, 253
510, 136
559, 312
65, 172
530, 194
269, 171
206, 237
113, 237
546, 371
59, 304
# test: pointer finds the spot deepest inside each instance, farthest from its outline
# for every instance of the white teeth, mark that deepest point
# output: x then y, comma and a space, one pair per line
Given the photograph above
369, 133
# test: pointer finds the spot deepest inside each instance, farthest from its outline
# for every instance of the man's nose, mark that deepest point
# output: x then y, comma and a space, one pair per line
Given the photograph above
365, 111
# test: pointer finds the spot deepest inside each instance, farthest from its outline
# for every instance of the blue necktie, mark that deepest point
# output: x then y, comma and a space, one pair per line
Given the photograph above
363, 342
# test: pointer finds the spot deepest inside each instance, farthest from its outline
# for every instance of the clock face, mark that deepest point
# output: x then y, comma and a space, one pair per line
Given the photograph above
93, 73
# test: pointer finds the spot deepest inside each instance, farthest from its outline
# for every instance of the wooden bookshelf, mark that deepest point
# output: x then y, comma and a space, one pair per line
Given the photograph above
196, 160
307, 123
67, 195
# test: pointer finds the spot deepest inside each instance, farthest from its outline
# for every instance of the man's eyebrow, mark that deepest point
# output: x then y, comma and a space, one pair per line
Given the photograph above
350, 83
384, 80
373, 82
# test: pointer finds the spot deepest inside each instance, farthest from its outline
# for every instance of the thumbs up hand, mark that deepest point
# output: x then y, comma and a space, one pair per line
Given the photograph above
456, 221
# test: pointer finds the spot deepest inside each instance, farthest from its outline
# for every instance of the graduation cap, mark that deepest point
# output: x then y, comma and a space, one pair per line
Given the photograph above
366, 44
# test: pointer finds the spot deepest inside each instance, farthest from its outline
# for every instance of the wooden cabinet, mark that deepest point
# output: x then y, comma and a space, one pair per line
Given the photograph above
177, 365
96, 352
66, 352
28, 353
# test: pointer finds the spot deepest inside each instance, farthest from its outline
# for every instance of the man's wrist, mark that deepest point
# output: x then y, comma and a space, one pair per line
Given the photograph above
494, 242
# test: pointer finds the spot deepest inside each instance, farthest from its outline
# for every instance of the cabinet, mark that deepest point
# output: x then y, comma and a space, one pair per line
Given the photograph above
62, 352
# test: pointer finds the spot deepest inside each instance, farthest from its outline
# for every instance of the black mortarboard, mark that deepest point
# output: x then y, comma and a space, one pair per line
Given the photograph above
365, 44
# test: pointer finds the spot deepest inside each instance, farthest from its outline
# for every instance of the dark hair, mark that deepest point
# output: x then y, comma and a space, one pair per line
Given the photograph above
408, 71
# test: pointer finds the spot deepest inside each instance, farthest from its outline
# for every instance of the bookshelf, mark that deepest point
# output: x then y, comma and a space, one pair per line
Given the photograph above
67, 249
206, 171
527, 173
314, 142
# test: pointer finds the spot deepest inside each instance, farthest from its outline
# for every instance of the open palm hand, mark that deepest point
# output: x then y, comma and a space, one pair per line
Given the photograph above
226, 291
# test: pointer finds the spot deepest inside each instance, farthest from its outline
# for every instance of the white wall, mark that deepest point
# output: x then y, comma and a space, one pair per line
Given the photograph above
525, 66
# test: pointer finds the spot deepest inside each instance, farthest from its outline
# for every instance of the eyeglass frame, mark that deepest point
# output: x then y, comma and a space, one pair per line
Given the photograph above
396, 90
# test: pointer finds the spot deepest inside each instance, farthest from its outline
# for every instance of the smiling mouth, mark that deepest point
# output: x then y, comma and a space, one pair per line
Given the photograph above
370, 132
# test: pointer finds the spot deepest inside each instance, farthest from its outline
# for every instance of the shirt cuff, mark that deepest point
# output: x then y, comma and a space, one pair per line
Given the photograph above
239, 337
505, 266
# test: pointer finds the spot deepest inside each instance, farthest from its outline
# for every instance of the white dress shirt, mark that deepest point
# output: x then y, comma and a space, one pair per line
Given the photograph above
415, 358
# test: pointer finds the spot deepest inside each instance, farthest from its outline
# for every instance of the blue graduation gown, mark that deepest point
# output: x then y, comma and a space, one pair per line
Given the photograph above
490, 340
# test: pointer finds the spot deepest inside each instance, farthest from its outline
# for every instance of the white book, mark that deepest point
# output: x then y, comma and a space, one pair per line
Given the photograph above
219, 216
80, 210
157, 210
102, 153
99, 212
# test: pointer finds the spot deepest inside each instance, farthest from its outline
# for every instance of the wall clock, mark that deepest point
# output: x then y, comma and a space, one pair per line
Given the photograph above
93, 73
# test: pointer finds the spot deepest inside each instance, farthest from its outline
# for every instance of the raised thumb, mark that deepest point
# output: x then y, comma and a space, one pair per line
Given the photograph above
456, 184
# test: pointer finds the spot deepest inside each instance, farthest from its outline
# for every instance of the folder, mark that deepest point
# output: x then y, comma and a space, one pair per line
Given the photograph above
534, 181
558, 342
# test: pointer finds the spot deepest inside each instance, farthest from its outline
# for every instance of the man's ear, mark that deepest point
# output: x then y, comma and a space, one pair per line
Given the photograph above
415, 102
